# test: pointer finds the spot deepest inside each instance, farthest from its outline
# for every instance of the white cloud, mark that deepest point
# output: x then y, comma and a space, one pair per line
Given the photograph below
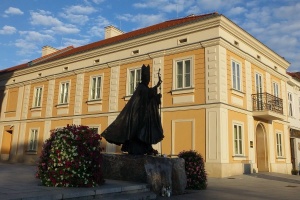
98, 1
142, 20
167, 6
237, 10
8, 30
98, 29
31, 41
43, 18
74, 42
78, 19
78, 9
13, 11
65, 29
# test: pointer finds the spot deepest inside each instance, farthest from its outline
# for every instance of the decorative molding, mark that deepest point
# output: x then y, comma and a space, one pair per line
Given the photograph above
114, 88
26, 102
50, 98
79, 94
183, 99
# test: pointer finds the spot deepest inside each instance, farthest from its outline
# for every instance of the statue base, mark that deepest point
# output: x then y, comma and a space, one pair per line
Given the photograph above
157, 171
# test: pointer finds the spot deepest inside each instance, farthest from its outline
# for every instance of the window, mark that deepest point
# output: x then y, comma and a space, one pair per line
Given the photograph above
183, 74
279, 144
290, 102
275, 89
64, 93
95, 91
238, 142
37, 97
32, 146
95, 129
236, 76
135, 76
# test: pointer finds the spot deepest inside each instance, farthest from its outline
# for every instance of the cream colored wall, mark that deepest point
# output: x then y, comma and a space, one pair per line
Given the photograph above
40, 112
236, 98
238, 118
97, 106
191, 97
123, 80
34, 125
68, 109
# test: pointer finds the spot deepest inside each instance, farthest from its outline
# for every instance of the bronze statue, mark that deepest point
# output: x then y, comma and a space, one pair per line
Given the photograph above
138, 126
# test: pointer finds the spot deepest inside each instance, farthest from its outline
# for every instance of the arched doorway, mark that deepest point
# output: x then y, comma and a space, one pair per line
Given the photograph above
261, 149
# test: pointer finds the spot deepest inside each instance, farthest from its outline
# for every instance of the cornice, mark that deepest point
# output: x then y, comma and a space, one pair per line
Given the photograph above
227, 45
126, 45
248, 39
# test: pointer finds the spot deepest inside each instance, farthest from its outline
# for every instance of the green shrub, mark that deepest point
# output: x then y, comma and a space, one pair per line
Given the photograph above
294, 172
71, 158
194, 169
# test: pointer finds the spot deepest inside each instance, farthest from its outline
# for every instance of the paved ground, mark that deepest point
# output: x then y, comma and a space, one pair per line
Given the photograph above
18, 181
254, 186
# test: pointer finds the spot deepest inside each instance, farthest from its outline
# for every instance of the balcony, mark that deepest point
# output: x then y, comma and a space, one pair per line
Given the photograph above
267, 106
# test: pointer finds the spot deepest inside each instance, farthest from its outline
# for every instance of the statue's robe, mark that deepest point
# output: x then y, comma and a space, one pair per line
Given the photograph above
138, 126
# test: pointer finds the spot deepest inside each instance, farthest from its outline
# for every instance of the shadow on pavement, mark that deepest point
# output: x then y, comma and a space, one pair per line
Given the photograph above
275, 177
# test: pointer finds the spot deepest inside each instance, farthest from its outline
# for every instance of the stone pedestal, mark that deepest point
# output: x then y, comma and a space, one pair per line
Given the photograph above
154, 170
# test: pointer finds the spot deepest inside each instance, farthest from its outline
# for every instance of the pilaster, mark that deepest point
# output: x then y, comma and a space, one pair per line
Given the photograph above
114, 88
216, 74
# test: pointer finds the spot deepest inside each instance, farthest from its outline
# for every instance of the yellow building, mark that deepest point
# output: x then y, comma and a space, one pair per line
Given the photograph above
223, 93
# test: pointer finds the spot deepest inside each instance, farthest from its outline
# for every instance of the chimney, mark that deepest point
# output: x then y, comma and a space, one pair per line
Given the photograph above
48, 50
111, 31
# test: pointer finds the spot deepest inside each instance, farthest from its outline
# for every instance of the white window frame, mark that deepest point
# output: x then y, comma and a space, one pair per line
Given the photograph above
185, 74
276, 91
98, 91
33, 140
131, 85
290, 104
64, 94
236, 75
238, 139
279, 147
37, 101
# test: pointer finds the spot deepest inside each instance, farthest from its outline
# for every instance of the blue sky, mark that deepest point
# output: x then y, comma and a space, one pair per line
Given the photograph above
28, 25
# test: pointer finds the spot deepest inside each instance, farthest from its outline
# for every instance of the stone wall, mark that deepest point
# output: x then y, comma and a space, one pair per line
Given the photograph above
154, 170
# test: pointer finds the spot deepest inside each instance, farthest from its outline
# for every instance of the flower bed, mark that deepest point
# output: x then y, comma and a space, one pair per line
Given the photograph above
194, 169
71, 158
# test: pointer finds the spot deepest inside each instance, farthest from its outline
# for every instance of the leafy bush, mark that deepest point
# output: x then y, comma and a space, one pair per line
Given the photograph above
194, 169
294, 172
71, 158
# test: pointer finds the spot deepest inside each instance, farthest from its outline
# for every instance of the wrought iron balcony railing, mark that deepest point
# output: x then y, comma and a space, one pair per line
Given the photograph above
267, 102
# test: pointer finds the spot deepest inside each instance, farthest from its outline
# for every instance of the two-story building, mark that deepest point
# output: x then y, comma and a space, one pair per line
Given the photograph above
293, 93
223, 93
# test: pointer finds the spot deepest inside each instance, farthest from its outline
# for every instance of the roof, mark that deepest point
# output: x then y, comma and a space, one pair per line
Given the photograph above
38, 60
120, 38
294, 74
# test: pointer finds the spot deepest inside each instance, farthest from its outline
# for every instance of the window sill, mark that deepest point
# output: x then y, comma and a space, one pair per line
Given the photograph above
31, 152
91, 102
6, 112
36, 108
280, 158
126, 98
237, 92
239, 157
183, 91
66, 105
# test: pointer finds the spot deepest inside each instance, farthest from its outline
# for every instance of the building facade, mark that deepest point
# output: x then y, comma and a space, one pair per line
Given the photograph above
293, 89
224, 93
